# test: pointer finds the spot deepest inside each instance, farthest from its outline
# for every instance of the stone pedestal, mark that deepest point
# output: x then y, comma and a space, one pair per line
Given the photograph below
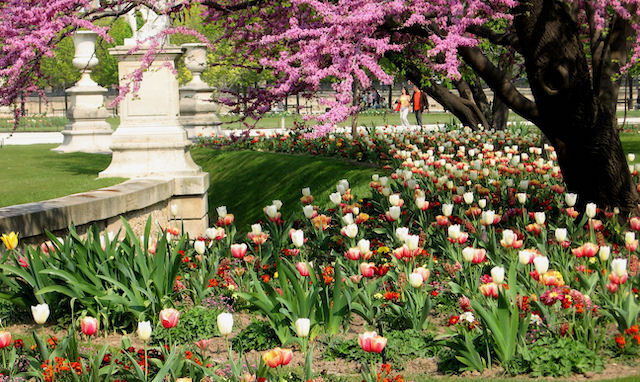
87, 131
197, 110
150, 140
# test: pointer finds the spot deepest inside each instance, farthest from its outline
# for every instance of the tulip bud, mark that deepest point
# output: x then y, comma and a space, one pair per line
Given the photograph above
522, 197
297, 238
5, 339
222, 211
561, 234
169, 318
415, 280
468, 197
271, 211
350, 231
541, 264
144, 330
174, 210
348, 218
540, 217
394, 212
225, 323
524, 257
447, 209
89, 325
590, 210
308, 211
256, 229
497, 274
619, 267
604, 253
482, 203
200, 247
364, 246
306, 191
40, 313
570, 199
302, 325
402, 233
468, 253
335, 198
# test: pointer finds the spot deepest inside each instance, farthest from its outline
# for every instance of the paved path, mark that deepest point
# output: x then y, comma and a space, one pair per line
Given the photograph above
56, 137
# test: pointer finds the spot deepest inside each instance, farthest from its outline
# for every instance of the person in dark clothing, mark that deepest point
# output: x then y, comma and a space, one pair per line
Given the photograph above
419, 103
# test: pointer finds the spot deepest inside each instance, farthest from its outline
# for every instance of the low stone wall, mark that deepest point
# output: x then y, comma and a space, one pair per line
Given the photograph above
133, 200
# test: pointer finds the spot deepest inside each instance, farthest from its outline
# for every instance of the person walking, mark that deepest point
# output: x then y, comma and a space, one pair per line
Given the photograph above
405, 104
420, 103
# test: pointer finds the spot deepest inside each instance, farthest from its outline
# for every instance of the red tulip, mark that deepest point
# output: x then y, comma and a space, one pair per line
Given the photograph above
169, 317
367, 269
89, 326
5, 339
302, 268
238, 250
371, 342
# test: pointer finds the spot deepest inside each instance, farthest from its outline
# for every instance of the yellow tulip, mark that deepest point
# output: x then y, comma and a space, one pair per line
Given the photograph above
10, 241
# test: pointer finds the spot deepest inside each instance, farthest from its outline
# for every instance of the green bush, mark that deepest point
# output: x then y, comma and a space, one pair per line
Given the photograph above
551, 357
194, 324
259, 335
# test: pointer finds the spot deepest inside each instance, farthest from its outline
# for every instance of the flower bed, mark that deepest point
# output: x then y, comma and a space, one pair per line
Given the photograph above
469, 252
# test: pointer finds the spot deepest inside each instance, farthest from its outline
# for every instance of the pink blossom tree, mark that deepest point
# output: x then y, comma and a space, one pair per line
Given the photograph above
572, 52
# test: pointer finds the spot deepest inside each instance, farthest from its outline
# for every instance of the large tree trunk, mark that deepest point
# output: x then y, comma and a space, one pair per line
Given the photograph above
577, 116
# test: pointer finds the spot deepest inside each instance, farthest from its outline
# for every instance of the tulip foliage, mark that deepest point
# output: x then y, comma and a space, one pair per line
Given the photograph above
485, 248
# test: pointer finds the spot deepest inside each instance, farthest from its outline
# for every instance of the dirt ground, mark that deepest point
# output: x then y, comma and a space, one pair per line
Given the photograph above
217, 351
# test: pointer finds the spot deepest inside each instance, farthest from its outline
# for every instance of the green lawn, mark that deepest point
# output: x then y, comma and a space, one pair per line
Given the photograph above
43, 124
247, 181
34, 173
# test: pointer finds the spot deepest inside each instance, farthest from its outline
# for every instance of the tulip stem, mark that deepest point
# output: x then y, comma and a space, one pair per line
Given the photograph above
146, 363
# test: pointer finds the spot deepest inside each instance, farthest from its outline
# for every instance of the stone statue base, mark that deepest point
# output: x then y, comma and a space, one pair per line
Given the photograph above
150, 140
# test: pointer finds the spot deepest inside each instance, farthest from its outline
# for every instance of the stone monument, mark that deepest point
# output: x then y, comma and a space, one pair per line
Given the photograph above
150, 142
88, 130
197, 110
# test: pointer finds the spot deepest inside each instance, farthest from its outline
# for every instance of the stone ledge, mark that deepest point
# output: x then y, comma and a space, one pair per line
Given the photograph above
32, 219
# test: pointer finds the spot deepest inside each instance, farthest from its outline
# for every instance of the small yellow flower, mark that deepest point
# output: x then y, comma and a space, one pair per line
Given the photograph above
10, 241
384, 249
377, 296
275, 275
592, 260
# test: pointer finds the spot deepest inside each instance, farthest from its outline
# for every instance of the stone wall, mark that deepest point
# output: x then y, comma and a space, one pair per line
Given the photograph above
134, 200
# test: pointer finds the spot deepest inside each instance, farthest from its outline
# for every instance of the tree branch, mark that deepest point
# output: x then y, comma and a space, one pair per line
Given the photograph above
498, 82
614, 57
230, 8
503, 39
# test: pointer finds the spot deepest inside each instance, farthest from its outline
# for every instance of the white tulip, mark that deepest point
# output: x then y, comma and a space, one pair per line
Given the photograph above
570, 199
541, 263
394, 212
421, 202
402, 233
335, 198
384, 181
629, 237
447, 209
468, 197
619, 267
412, 241
522, 197
540, 217
271, 211
488, 216
222, 211
40, 313
199, 246
482, 203
256, 229
497, 274
303, 326
631, 157
386, 191
277, 203
351, 230
210, 233
467, 316
144, 330
308, 211
306, 191
415, 280
604, 253
348, 218
375, 177
364, 246
394, 199
467, 253
590, 210
174, 210
297, 238
524, 257
454, 231
561, 234
225, 323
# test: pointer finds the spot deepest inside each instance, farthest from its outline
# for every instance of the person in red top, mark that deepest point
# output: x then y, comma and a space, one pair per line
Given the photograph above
420, 103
